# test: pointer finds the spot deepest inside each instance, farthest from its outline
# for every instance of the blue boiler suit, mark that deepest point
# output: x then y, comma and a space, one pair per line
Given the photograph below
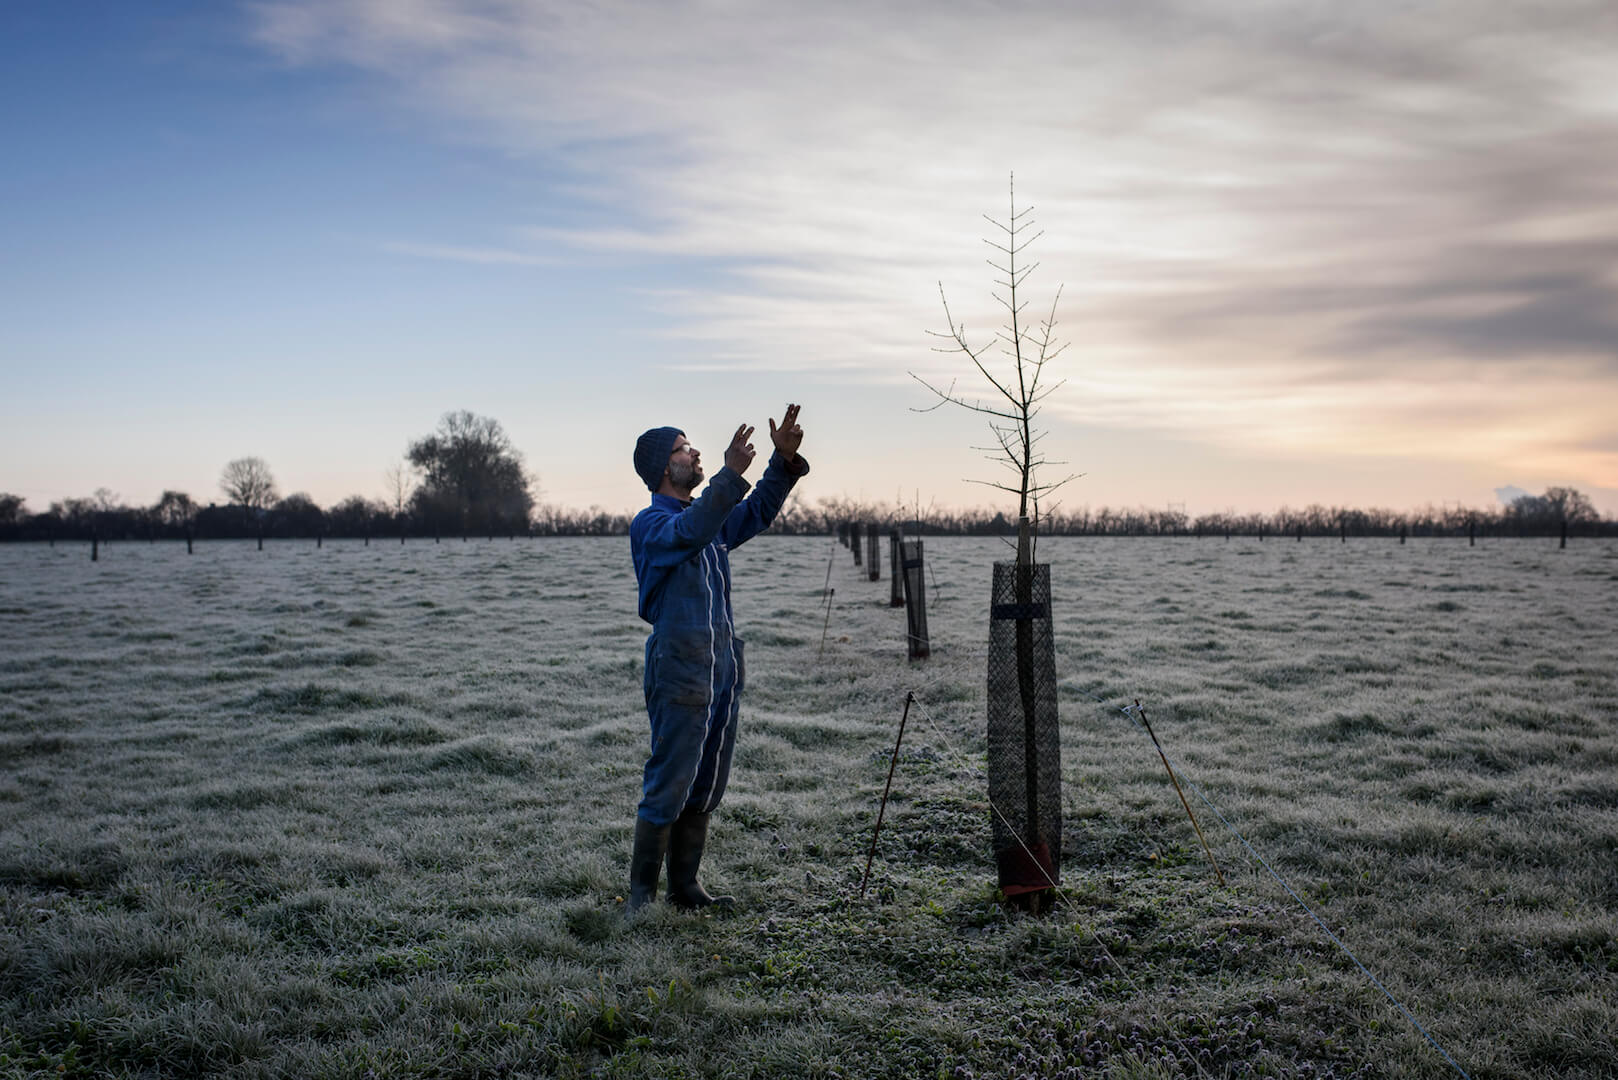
695, 669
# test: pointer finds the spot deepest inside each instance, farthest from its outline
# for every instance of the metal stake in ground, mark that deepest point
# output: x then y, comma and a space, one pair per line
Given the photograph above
882, 809
1141, 710
829, 594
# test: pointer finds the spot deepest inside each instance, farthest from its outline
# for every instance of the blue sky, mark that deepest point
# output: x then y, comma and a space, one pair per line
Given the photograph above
1363, 256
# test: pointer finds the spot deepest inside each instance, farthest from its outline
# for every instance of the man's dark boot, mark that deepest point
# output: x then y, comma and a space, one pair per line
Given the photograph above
651, 843
686, 840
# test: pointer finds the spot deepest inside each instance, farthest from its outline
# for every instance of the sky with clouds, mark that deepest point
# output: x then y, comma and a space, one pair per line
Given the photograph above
1356, 254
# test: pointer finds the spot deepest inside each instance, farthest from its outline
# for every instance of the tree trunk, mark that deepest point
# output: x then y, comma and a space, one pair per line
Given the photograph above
1026, 692
1025, 672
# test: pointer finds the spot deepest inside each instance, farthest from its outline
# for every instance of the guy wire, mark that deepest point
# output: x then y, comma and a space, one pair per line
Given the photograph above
1141, 709
830, 594
1408, 1015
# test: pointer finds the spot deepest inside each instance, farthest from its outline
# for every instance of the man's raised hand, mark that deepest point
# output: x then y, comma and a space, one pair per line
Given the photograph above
739, 454
788, 436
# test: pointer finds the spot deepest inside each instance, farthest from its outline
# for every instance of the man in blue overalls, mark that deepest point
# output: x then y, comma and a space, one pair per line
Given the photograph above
694, 665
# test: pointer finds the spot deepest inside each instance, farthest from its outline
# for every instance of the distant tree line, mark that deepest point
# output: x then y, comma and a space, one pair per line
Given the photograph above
1527, 515
466, 479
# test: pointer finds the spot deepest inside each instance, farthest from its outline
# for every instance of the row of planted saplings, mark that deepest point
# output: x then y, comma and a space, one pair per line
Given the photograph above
907, 579
1025, 758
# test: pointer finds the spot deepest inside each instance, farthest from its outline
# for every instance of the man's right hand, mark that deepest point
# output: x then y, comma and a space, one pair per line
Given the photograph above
739, 454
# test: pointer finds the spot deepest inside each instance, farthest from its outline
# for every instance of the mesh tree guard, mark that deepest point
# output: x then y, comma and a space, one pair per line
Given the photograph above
896, 593
873, 553
842, 533
854, 540
915, 599
1025, 752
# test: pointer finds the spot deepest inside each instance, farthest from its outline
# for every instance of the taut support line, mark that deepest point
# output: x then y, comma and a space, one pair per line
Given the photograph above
1141, 711
910, 695
830, 593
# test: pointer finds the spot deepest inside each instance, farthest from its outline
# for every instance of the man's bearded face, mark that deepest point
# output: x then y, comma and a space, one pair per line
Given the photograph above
685, 471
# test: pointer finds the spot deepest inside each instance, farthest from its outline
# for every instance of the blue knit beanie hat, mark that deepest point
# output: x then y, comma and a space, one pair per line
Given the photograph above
652, 452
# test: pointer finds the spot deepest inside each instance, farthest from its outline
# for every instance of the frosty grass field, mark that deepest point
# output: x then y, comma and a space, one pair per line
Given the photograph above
365, 811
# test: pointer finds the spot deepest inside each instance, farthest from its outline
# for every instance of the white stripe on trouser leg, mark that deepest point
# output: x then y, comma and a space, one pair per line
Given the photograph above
726, 740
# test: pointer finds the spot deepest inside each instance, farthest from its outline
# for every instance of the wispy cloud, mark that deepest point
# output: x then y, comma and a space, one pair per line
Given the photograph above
1362, 229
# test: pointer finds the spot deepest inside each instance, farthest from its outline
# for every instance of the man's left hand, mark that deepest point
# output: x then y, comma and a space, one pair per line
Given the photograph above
788, 436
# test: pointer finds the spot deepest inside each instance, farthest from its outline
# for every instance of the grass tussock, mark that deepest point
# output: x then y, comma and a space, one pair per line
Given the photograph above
383, 731
317, 698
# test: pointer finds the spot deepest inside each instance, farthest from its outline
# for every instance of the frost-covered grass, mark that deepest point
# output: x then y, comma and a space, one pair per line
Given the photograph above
366, 812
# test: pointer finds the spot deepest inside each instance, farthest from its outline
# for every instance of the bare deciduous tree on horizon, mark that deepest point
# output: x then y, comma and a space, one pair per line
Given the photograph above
175, 510
1557, 505
247, 482
397, 487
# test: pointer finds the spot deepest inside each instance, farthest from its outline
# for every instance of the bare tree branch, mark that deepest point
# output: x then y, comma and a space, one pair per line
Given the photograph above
1027, 348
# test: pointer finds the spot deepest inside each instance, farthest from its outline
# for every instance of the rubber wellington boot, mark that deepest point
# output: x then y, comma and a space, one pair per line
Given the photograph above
686, 840
651, 843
